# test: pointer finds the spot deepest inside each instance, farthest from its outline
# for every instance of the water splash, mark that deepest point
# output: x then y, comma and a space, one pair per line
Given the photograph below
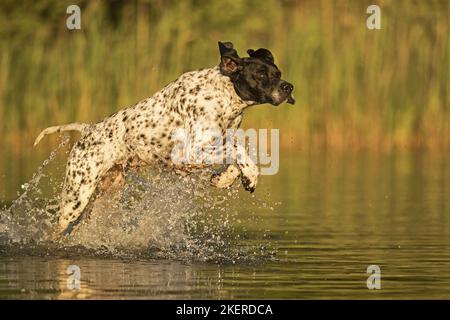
156, 214
161, 214
30, 216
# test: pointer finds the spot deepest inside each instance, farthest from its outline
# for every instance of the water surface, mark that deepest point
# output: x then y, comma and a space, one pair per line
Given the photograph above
310, 231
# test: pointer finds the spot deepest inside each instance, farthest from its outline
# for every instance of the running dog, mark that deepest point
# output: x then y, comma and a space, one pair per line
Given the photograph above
143, 133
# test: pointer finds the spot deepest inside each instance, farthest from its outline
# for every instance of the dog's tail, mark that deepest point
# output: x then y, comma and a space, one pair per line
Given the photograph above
67, 127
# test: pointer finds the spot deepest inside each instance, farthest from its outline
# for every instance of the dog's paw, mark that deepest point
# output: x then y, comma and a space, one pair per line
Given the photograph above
249, 184
226, 178
249, 176
59, 232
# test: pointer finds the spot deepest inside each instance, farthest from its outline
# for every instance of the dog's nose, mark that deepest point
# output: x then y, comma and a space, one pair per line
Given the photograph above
287, 87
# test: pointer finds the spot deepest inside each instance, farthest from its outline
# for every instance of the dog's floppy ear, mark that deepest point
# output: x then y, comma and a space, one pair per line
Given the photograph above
261, 53
229, 59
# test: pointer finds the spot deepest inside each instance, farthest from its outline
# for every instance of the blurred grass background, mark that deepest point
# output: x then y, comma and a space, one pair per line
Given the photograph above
355, 88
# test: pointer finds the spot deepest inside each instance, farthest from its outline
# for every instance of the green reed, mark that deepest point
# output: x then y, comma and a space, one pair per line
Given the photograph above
355, 88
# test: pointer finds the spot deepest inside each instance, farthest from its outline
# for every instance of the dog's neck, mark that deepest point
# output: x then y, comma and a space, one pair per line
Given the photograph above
226, 82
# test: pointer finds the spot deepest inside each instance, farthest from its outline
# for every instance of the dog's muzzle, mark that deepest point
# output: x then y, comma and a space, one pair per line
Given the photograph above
283, 93
287, 89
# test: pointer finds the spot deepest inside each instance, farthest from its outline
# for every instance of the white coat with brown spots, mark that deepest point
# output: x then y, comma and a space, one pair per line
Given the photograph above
143, 132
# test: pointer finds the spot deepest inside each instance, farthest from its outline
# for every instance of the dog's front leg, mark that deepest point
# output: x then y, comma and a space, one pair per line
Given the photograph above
244, 166
225, 178
249, 170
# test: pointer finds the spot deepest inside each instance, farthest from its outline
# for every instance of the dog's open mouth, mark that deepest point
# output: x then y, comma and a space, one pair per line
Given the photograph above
290, 99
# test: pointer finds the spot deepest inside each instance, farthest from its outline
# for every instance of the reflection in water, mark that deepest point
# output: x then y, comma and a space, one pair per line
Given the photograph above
47, 279
339, 213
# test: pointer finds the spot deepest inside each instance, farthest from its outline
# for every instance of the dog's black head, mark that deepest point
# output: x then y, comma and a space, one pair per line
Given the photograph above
255, 78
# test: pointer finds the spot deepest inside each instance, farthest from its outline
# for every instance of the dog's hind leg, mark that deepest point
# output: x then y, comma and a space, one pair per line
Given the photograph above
113, 180
85, 169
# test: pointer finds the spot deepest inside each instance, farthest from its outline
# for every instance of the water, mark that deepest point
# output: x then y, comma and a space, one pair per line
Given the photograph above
310, 231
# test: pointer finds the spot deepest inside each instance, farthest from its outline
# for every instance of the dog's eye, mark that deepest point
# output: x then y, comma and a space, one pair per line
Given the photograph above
262, 75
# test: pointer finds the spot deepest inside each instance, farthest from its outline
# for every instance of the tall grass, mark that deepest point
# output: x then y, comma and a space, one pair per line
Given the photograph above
355, 88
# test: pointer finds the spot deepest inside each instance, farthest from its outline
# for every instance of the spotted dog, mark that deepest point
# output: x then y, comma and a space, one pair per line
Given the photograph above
142, 134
